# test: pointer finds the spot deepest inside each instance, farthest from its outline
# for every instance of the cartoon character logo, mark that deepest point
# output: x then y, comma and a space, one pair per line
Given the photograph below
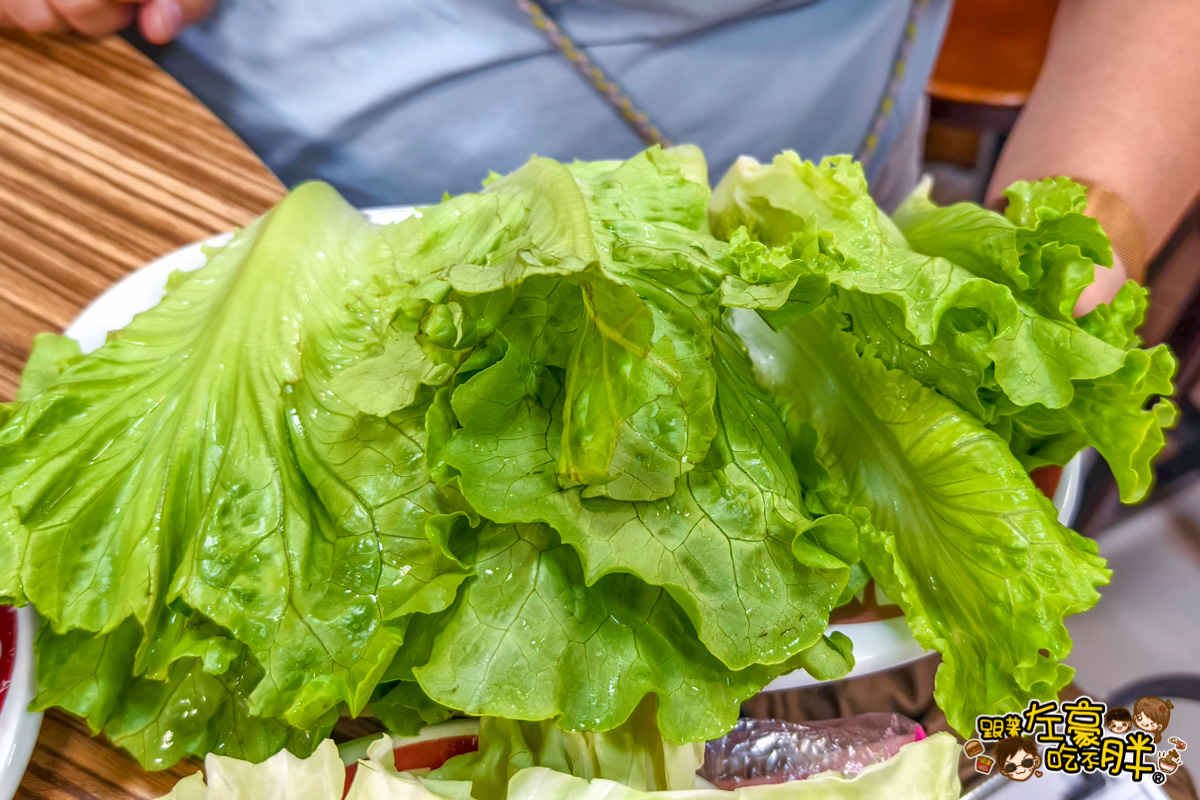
1152, 714
1118, 720
1018, 759
1168, 762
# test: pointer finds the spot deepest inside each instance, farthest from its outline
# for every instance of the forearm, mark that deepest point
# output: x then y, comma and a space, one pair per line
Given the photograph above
1117, 104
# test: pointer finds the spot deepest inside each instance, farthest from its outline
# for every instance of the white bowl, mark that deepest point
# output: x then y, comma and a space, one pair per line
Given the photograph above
18, 726
878, 645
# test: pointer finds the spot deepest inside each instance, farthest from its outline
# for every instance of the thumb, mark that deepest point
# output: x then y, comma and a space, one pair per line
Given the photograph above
1104, 288
163, 20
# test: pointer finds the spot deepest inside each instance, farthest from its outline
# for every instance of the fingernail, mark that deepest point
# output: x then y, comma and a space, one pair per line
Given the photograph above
162, 21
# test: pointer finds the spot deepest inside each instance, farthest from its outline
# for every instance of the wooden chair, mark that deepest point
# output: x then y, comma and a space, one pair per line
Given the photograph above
990, 60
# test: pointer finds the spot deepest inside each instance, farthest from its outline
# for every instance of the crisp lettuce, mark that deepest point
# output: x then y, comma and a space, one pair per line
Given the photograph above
501, 458
953, 528
525, 761
521, 456
1056, 248
592, 388
633, 754
193, 499
736, 515
943, 364
975, 304
530, 639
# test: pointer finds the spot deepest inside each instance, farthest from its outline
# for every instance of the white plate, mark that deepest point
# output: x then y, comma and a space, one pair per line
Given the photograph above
19, 727
877, 645
141, 290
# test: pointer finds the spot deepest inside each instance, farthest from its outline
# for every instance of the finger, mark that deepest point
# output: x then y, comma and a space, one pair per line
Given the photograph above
195, 10
1108, 281
96, 17
36, 16
162, 20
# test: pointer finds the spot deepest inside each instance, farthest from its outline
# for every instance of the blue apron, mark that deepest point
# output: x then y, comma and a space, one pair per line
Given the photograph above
398, 101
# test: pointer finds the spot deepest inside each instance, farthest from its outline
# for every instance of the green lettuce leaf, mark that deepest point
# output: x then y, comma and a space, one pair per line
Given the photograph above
975, 304
197, 705
525, 257
721, 545
1057, 247
601, 397
634, 755
267, 500
1044, 249
530, 639
952, 526
405, 708
51, 356
210, 467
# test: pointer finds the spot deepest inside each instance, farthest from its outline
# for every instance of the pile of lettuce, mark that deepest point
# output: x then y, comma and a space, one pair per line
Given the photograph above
527, 760
586, 436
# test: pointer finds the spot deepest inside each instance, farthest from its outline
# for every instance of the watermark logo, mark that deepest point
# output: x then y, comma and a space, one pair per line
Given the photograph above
1078, 736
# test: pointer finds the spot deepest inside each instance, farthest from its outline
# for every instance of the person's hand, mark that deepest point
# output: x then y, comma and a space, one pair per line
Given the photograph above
1104, 288
160, 20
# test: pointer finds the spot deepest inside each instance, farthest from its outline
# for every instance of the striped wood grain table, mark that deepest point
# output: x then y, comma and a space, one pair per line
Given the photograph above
105, 164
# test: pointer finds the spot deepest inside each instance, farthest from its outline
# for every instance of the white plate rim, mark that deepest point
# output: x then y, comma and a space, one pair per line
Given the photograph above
18, 726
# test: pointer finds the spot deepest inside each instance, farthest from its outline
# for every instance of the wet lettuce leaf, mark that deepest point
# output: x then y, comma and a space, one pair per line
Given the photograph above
952, 526
197, 462
288, 491
976, 304
531, 638
554, 452
943, 365
604, 398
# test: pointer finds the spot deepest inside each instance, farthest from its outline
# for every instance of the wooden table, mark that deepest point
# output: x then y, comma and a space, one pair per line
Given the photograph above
105, 164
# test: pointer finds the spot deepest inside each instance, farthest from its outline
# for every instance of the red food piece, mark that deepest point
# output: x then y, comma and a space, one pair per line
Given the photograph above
8, 648
433, 753
429, 754
1046, 479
